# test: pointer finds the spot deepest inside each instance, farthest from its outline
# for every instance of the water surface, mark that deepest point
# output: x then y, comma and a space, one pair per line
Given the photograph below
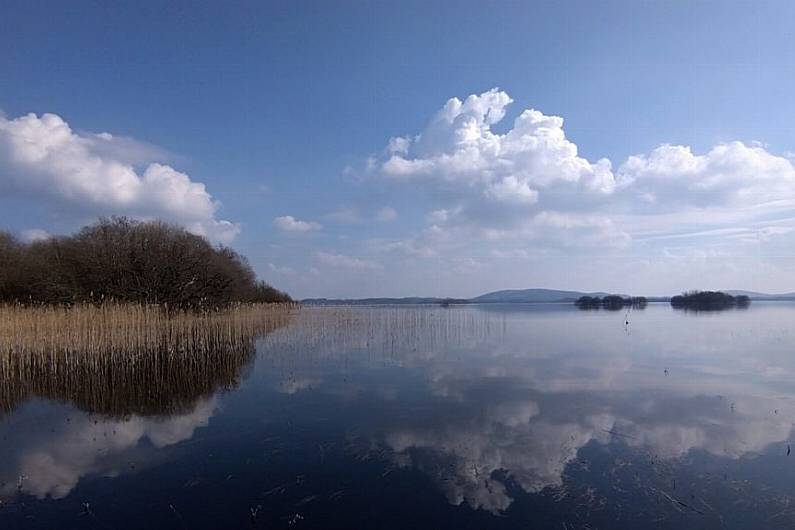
494, 416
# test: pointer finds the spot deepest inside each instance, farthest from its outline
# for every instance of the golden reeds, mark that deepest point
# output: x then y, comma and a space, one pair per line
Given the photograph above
129, 330
122, 359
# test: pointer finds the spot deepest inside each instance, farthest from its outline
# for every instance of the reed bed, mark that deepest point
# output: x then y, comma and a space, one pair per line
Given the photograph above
382, 330
130, 330
118, 359
121, 359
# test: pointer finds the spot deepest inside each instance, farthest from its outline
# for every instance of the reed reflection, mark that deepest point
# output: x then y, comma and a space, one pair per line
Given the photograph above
123, 360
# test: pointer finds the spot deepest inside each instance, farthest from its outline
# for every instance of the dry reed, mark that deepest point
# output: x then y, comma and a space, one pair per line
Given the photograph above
129, 330
382, 330
122, 359
131, 359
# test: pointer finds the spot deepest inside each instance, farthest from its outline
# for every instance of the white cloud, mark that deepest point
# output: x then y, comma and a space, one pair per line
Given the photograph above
525, 186
42, 157
344, 215
510, 190
512, 194
288, 223
276, 269
342, 261
535, 167
733, 174
414, 247
526, 190
532, 163
578, 230
35, 234
438, 216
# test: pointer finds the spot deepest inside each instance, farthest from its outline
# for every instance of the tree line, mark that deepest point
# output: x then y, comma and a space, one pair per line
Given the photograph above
612, 302
709, 300
121, 259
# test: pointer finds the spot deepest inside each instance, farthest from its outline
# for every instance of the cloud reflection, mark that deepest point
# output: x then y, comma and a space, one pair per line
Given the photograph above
64, 446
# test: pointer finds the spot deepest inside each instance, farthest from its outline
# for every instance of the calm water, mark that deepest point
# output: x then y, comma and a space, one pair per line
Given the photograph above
471, 417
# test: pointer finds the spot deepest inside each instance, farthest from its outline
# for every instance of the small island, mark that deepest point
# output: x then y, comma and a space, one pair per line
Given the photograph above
709, 301
611, 302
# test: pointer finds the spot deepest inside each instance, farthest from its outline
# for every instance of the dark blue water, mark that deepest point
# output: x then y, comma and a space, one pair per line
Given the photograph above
467, 417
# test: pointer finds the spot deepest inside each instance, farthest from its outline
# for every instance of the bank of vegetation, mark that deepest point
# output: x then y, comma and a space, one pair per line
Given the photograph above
122, 359
126, 290
127, 261
709, 301
132, 330
612, 302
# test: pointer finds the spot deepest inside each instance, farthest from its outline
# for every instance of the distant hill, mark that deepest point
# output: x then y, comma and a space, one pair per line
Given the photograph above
762, 296
497, 297
409, 300
516, 296
531, 296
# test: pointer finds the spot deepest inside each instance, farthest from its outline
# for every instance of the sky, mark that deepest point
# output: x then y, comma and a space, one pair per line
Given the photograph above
354, 149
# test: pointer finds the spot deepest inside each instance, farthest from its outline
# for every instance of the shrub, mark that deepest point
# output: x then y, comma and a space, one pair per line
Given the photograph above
132, 261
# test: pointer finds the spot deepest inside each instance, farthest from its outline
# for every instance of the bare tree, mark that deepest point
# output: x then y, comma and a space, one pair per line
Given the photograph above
123, 259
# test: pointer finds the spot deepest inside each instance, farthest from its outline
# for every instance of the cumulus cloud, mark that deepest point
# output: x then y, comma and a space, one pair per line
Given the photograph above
533, 163
526, 186
288, 223
535, 166
44, 158
527, 189
731, 174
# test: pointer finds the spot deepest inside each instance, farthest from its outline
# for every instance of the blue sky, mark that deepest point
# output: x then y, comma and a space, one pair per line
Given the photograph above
269, 127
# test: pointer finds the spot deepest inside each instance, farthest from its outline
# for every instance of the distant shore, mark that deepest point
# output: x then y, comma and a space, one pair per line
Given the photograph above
525, 296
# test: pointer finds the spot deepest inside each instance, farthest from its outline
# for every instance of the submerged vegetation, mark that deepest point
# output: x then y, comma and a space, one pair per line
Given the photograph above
123, 260
709, 301
612, 302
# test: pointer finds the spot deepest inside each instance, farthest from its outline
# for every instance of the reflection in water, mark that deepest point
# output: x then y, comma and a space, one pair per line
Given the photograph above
160, 397
515, 410
51, 455
524, 411
151, 385
510, 417
118, 383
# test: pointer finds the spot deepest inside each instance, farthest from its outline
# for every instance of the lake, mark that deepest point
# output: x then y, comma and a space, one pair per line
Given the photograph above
491, 416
